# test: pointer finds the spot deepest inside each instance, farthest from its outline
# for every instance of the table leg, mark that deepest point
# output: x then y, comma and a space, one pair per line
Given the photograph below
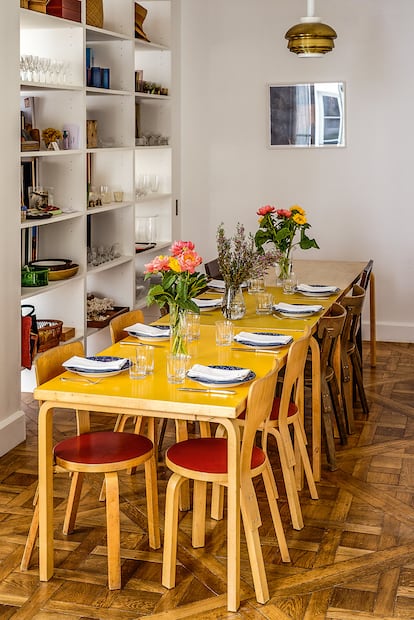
46, 551
316, 409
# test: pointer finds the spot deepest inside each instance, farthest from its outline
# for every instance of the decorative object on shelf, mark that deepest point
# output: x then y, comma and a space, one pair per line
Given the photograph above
94, 13
238, 261
179, 284
38, 5
49, 331
59, 268
310, 38
29, 335
68, 9
51, 135
24, 4
34, 277
279, 226
96, 255
91, 134
101, 310
140, 15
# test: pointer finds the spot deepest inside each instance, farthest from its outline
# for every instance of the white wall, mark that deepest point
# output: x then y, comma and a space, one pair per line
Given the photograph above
358, 199
12, 423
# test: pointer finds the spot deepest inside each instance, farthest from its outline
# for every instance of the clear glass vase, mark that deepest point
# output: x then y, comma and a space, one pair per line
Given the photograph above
283, 269
233, 306
178, 340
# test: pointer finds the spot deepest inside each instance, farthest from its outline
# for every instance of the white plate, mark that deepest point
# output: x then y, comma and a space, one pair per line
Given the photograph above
98, 373
295, 315
147, 338
224, 384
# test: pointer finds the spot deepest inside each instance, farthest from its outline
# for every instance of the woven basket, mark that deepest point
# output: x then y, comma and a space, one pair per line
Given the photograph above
94, 13
49, 334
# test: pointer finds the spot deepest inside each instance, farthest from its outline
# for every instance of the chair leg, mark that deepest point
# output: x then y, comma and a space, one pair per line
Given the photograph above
290, 482
31, 539
301, 441
357, 367
171, 530
73, 502
152, 503
347, 394
272, 495
199, 513
251, 531
338, 410
113, 531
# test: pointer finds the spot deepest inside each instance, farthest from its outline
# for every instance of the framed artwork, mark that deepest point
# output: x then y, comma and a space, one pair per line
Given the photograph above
307, 115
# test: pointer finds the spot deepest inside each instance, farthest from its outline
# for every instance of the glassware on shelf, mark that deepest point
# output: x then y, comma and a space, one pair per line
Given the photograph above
146, 229
106, 194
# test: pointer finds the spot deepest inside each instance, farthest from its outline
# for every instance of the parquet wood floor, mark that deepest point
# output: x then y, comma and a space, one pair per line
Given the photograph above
354, 559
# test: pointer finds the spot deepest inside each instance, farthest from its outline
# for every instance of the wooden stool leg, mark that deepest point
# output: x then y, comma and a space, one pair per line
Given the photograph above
181, 435
171, 530
199, 513
152, 503
113, 531
300, 439
73, 502
31, 539
251, 531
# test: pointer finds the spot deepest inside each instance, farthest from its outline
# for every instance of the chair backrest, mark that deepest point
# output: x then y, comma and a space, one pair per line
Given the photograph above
116, 326
259, 405
49, 364
366, 274
353, 305
330, 327
293, 379
212, 269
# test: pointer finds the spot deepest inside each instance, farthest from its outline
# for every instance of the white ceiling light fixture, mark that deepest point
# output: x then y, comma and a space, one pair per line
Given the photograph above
311, 38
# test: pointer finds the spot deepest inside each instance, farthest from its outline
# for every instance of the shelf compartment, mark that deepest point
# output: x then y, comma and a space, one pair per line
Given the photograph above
113, 114
117, 56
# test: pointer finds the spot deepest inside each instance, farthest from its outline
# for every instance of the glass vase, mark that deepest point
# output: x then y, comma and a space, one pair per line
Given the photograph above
283, 269
233, 306
178, 340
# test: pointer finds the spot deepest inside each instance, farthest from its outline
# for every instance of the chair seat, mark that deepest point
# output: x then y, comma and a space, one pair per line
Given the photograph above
275, 410
104, 447
207, 454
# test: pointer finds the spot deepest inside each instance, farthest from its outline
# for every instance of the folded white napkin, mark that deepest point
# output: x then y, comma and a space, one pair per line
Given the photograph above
147, 330
297, 308
198, 371
83, 363
268, 339
217, 284
207, 303
316, 288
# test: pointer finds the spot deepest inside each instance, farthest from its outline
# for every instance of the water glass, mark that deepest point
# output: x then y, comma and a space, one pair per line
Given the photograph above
149, 354
255, 285
176, 367
290, 283
192, 326
138, 364
264, 303
224, 333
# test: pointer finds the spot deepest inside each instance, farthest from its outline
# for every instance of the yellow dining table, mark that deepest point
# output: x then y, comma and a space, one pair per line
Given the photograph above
152, 396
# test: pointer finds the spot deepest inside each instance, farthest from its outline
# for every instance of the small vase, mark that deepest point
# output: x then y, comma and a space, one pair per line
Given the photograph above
178, 341
233, 306
283, 269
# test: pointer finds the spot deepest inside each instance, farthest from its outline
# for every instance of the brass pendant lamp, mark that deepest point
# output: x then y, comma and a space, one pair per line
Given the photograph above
311, 38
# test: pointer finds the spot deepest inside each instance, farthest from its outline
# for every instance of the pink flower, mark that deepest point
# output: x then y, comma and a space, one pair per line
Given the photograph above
160, 263
181, 246
189, 260
265, 210
284, 213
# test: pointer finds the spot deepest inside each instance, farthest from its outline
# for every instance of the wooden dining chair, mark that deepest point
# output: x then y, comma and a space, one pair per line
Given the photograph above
204, 460
330, 328
287, 413
106, 452
47, 366
212, 269
351, 361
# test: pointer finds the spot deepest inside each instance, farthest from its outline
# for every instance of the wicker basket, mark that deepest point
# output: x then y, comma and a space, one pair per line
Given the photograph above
94, 13
50, 331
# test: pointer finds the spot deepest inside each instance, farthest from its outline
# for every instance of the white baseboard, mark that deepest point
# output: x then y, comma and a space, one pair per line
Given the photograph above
390, 332
12, 431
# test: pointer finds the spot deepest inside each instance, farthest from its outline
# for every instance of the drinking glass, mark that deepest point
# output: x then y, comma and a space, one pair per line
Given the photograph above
224, 333
192, 326
138, 364
264, 303
176, 367
290, 283
255, 285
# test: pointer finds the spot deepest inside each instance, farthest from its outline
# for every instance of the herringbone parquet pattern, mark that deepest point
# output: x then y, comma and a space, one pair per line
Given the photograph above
353, 560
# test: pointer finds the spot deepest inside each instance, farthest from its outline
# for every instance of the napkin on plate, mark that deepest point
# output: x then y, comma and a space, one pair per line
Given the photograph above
147, 330
316, 288
83, 363
269, 339
207, 303
216, 284
198, 371
297, 308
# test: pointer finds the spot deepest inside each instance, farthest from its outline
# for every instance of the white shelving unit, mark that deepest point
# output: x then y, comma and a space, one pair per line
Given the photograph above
116, 161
